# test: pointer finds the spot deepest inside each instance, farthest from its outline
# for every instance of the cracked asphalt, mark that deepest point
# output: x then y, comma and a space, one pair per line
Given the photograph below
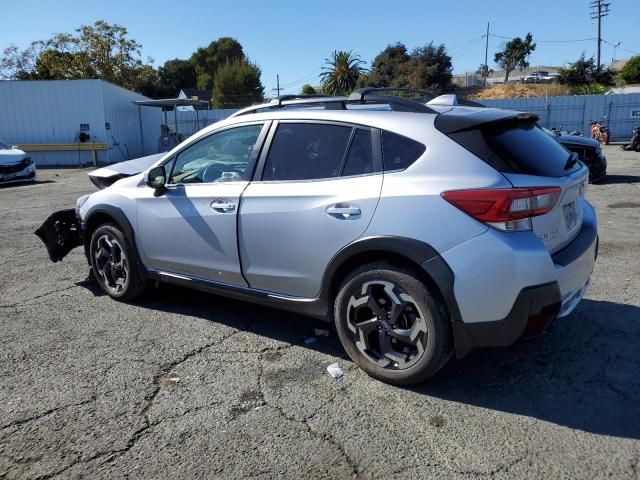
187, 385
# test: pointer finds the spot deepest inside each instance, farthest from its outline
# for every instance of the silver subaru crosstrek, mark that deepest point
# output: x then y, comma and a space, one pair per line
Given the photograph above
423, 230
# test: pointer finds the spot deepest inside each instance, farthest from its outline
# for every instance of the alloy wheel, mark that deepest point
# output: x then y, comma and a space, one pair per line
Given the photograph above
111, 263
387, 325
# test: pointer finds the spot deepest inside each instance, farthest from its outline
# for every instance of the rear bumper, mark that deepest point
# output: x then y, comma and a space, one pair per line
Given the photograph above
520, 284
533, 310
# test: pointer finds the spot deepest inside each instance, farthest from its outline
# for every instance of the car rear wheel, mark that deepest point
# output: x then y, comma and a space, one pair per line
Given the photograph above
391, 325
112, 263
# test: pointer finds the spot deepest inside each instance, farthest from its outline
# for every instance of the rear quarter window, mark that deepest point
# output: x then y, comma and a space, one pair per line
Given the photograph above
399, 152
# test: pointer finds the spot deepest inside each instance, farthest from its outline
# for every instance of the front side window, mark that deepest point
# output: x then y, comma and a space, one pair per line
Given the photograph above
221, 157
306, 151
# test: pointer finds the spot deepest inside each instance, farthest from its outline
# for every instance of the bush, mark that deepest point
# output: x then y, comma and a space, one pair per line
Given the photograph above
631, 71
584, 72
308, 90
590, 89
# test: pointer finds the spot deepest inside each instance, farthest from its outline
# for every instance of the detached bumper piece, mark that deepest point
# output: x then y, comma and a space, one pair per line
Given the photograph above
60, 233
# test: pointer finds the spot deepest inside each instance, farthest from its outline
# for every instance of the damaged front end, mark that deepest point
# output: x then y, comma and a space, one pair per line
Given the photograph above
60, 232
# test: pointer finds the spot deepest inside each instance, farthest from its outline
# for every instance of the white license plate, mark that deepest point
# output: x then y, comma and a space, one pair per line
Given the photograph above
570, 214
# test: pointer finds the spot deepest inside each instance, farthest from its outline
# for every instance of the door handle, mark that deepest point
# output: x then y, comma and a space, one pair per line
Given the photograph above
343, 211
223, 206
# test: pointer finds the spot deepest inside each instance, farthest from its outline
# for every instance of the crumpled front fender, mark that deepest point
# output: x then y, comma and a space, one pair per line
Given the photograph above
60, 233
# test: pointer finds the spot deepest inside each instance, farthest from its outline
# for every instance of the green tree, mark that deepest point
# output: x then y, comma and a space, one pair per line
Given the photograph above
237, 84
175, 75
584, 72
430, 68
631, 71
484, 71
208, 60
101, 50
308, 90
16, 64
514, 54
389, 68
340, 73
425, 68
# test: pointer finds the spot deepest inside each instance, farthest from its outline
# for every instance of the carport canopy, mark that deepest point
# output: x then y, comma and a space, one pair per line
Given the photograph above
170, 104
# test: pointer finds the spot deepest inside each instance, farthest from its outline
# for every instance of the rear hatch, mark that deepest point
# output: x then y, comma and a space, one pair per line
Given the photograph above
529, 158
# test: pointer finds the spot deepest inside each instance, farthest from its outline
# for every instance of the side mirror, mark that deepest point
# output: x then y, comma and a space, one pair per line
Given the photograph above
156, 177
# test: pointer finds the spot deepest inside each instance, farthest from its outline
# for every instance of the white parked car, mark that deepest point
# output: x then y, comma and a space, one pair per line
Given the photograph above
540, 76
15, 165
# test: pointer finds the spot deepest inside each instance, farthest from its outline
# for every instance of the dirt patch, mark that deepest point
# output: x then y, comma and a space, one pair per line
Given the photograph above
514, 90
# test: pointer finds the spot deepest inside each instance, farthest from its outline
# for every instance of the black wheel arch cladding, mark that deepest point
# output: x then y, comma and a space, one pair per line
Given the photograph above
96, 216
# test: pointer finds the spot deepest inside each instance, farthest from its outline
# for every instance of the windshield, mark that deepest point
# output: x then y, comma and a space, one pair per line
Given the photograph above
3, 146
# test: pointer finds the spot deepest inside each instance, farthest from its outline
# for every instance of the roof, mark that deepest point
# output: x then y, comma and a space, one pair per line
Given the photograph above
194, 92
171, 103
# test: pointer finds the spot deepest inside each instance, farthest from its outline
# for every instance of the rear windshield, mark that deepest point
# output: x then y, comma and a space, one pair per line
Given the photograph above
518, 147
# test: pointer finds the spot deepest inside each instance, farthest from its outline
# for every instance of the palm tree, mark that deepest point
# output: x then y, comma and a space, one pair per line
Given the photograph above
341, 71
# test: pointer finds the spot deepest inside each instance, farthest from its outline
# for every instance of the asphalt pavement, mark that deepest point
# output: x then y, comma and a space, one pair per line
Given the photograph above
187, 385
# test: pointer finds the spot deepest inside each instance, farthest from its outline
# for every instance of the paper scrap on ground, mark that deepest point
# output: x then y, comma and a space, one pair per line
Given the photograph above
335, 371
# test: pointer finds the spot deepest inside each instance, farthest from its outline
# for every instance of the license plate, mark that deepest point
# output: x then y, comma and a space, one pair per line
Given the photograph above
570, 214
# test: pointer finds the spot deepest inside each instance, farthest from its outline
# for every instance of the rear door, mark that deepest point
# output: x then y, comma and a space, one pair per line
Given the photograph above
317, 188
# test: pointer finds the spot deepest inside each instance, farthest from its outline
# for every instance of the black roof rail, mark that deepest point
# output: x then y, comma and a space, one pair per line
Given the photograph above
331, 103
302, 96
368, 90
399, 104
361, 96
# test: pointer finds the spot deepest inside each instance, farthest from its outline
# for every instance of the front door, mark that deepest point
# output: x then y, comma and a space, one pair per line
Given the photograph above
190, 229
318, 191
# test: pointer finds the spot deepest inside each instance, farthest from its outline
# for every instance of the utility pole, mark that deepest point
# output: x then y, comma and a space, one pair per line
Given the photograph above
599, 9
486, 56
277, 89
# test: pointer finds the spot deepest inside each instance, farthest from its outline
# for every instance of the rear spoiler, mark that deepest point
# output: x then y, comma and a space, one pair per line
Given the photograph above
450, 122
452, 100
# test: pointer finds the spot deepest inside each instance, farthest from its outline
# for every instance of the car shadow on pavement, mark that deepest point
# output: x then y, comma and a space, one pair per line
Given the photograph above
618, 179
290, 328
583, 374
25, 184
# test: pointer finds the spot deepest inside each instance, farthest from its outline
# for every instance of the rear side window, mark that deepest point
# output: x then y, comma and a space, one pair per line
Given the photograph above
517, 147
306, 151
399, 152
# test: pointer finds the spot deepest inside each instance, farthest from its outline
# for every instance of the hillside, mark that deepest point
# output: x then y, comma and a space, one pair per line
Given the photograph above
512, 90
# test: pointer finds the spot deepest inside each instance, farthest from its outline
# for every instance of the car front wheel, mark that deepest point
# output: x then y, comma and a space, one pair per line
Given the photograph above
112, 263
391, 325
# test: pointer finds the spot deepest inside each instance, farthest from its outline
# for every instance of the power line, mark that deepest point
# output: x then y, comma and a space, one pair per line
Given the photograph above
302, 79
464, 44
619, 47
547, 41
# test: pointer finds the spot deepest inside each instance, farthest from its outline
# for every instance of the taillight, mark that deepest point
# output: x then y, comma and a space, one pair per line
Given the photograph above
505, 208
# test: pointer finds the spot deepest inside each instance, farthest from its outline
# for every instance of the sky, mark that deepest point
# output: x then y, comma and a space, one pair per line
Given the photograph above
293, 38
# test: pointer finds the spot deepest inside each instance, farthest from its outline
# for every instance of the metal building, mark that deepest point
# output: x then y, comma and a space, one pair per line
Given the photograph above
74, 122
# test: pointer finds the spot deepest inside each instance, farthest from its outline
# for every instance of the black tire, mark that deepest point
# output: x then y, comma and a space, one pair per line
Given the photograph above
114, 263
383, 355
